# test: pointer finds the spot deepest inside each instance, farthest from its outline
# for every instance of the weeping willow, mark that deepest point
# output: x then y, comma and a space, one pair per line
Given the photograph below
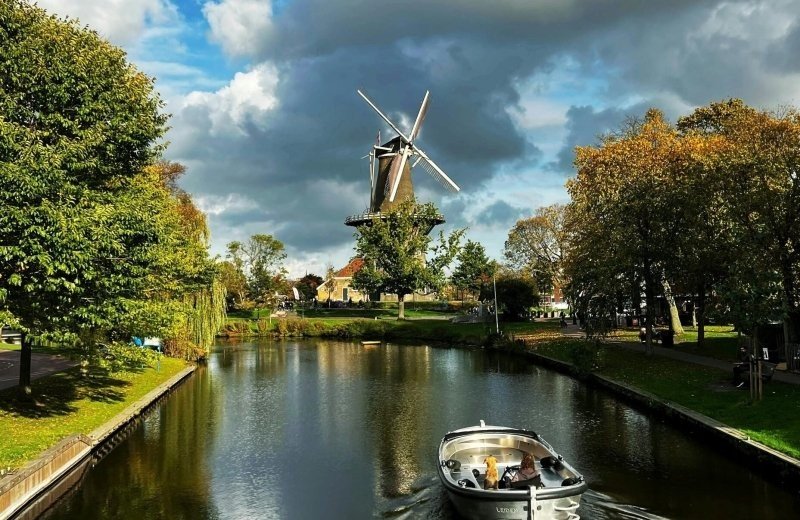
206, 314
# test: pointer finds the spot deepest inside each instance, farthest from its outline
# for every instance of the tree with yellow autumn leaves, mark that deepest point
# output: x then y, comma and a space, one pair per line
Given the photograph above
710, 205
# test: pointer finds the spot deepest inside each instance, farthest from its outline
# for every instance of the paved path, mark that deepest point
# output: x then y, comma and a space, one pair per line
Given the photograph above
574, 331
41, 365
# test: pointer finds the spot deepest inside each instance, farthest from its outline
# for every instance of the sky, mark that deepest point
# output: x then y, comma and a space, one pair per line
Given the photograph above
266, 118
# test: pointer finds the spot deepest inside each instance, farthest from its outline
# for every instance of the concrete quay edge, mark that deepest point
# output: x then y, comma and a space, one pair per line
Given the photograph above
103, 432
782, 466
19, 489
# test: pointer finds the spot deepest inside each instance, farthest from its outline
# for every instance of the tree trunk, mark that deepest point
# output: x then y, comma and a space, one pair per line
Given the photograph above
636, 296
674, 318
24, 388
791, 312
401, 307
700, 312
650, 301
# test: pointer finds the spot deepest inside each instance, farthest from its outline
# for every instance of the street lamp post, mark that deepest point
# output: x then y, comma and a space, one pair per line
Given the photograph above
496, 319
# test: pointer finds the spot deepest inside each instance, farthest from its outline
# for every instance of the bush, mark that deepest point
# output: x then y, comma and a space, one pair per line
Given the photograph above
121, 357
183, 348
586, 356
263, 326
356, 329
235, 328
298, 327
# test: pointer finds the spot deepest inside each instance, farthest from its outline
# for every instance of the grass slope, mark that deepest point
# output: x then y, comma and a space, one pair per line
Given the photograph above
66, 404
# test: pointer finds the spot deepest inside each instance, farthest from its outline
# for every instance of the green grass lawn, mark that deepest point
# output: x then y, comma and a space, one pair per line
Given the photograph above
66, 404
721, 341
774, 421
69, 404
351, 312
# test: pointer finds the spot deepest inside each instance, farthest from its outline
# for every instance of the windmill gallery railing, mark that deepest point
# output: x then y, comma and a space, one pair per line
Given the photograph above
367, 217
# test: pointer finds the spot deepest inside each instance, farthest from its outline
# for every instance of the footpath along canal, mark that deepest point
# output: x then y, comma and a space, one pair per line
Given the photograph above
313, 429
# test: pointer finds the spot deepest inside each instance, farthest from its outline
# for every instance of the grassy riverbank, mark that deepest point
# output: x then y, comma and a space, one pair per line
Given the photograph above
774, 421
420, 324
71, 404
66, 404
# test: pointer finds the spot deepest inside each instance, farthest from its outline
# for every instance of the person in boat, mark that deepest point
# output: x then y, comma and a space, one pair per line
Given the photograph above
492, 480
527, 469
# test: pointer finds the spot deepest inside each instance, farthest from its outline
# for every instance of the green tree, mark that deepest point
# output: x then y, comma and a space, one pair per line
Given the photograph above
235, 283
516, 294
535, 245
474, 268
260, 259
760, 164
307, 286
78, 124
330, 284
394, 249
186, 276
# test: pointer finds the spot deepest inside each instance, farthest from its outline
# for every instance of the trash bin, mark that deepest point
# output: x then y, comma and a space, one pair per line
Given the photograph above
667, 338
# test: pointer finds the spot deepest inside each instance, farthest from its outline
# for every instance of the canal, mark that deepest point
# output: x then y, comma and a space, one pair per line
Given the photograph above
326, 429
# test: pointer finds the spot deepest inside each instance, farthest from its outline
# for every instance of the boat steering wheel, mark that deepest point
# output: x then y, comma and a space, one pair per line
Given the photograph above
509, 473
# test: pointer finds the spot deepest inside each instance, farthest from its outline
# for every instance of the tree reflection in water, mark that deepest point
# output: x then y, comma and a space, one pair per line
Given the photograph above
331, 429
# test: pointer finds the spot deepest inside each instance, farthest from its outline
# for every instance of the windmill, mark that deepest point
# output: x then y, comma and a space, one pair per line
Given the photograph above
390, 167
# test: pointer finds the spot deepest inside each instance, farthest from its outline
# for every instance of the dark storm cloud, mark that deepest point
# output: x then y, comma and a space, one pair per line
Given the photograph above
706, 52
321, 128
498, 213
301, 157
319, 27
784, 54
584, 127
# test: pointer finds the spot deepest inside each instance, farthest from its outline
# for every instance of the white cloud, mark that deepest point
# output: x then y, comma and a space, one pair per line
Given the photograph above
539, 112
120, 21
239, 25
246, 99
219, 204
758, 23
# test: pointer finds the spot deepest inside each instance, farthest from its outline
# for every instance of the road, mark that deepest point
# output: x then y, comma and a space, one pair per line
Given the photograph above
41, 365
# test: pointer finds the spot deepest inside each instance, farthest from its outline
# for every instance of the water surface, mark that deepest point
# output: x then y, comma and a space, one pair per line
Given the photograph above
325, 429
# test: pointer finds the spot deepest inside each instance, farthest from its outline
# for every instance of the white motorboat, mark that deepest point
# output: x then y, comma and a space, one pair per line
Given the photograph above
554, 493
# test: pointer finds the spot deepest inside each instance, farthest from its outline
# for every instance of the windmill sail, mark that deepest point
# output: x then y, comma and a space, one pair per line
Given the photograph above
436, 172
401, 150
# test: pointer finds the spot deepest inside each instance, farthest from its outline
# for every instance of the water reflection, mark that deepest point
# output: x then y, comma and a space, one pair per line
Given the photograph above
322, 429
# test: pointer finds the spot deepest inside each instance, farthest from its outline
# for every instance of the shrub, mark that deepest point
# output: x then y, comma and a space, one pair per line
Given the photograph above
586, 356
235, 328
263, 326
183, 348
121, 357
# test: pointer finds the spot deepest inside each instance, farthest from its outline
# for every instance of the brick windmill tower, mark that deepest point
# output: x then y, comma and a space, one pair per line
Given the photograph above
390, 166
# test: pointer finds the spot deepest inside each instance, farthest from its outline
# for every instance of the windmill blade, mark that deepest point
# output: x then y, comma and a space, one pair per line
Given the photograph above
423, 109
382, 148
372, 172
398, 165
376, 109
436, 172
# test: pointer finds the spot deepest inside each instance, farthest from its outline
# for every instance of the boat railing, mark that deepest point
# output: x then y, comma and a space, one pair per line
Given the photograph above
570, 510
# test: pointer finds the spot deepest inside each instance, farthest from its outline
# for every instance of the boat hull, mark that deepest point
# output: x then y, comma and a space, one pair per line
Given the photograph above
480, 508
462, 470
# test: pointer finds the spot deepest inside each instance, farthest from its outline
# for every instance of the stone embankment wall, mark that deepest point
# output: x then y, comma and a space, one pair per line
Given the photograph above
763, 459
19, 490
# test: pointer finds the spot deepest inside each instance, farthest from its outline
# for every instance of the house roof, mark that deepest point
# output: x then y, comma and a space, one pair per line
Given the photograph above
350, 269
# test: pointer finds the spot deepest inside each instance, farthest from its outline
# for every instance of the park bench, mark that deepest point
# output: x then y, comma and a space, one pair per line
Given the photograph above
10, 335
741, 372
